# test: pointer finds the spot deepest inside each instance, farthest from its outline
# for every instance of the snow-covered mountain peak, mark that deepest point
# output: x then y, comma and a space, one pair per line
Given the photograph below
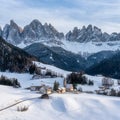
35, 21
52, 32
13, 24
88, 39
35, 24
86, 34
89, 27
36, 32
11, 33
32, 32
91, 34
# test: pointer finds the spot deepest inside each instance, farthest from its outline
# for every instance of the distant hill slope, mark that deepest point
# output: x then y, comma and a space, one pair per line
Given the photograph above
66, 60
57, 56
13, 58
109, 67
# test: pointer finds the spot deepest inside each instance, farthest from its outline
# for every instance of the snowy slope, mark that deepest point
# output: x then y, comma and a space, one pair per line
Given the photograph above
26, 79
87, 48
52, 68
84, 49
65, 106
59, 106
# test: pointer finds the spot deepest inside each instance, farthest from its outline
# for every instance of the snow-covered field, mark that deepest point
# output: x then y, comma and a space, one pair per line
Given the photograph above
59, 106
67, 106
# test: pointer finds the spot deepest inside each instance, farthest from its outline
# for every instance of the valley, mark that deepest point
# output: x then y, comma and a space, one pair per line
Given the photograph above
67, 105
59, 59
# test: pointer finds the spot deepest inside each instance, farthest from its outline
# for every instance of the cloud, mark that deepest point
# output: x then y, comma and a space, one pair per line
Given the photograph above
63, 14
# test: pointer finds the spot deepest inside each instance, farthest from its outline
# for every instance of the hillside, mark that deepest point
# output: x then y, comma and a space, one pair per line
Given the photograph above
57, 56
13, 58
109, 67
64, 59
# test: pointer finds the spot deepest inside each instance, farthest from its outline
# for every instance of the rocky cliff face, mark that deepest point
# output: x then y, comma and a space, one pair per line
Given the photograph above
12, 33
31, 33
35, 31
91, 33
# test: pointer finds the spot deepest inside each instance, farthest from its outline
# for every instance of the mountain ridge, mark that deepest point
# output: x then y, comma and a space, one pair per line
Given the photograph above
36, 31
77, 50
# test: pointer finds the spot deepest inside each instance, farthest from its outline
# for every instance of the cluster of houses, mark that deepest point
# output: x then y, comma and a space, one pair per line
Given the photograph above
106, 86
43, 89
107, 83
42, 72
67, 88
46, 89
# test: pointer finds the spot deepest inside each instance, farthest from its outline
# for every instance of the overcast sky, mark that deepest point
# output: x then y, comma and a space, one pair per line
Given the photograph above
64, 15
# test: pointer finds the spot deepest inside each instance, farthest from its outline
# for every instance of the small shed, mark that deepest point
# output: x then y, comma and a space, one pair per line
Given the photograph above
43, 89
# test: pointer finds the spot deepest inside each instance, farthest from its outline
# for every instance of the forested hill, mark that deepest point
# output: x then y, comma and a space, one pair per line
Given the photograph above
13, 59
109, 67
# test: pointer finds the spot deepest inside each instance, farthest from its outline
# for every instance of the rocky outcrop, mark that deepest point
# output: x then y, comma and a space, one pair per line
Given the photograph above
12, 33
91, 34
36, 32
31, 33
